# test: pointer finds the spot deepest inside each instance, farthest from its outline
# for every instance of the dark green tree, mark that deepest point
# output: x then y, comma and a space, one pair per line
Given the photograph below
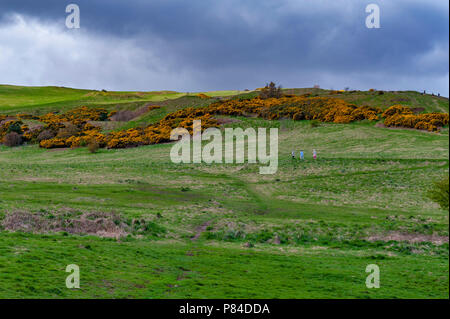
270, 91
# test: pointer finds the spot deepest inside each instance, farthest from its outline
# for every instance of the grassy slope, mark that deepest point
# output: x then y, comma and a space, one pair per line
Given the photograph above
15, 99
367, 181
412, 99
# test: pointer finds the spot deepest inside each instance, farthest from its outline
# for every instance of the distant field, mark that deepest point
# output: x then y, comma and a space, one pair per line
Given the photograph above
224, 230
38, 100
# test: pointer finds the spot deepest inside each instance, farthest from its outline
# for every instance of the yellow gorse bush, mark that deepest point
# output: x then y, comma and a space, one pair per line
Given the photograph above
203, 96
324, 109
305, 107
402, 116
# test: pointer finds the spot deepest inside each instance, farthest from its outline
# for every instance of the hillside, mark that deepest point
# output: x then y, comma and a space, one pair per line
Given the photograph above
39, 100
223, 230
15, 99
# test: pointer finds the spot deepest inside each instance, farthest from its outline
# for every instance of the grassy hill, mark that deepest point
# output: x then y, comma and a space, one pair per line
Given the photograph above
38, 100
384, 99
224, 230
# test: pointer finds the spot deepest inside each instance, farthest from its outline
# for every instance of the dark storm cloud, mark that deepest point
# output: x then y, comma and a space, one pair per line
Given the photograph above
237, 44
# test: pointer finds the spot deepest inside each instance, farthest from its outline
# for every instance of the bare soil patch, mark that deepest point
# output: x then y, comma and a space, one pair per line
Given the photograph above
128, 115
400, 99
417, 110
410, 238
227, 120
94, 223
381, 124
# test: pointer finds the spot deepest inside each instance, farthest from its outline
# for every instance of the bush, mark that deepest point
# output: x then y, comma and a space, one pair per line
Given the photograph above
403, 116
75, 128
15, 126
439, 193
93, 146
203, 96
426, 121
30, 135
68, 131
12, 139
45, 135
52, 143
397, 109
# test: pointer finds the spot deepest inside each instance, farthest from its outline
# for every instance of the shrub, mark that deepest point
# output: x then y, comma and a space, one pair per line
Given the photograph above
30, 135
153, 107
12, 139
84, 113
93, 146
52, 143
439, 192
203, 96
45, 135
23, 116
74, 128
298, 116
15, 126
365, 112
427, 121
9, 125
68, 131
397, 109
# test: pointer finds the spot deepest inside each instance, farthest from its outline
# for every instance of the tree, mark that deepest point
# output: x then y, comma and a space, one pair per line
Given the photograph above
270, 91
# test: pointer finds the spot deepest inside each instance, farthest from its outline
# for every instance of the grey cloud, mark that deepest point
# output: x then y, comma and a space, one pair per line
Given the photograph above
235, 44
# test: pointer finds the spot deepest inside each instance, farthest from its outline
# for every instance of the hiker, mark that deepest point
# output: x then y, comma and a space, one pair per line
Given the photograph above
314, 154
293, 154
302, 156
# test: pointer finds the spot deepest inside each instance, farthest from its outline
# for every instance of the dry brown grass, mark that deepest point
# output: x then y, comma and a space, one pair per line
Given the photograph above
93, 223
127, 115
410, 238
12, 139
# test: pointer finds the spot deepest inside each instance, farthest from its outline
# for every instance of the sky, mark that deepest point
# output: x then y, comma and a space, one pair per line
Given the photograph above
202, 45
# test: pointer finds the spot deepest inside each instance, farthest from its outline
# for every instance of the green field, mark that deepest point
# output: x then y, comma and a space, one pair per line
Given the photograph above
224, 230
38, 100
